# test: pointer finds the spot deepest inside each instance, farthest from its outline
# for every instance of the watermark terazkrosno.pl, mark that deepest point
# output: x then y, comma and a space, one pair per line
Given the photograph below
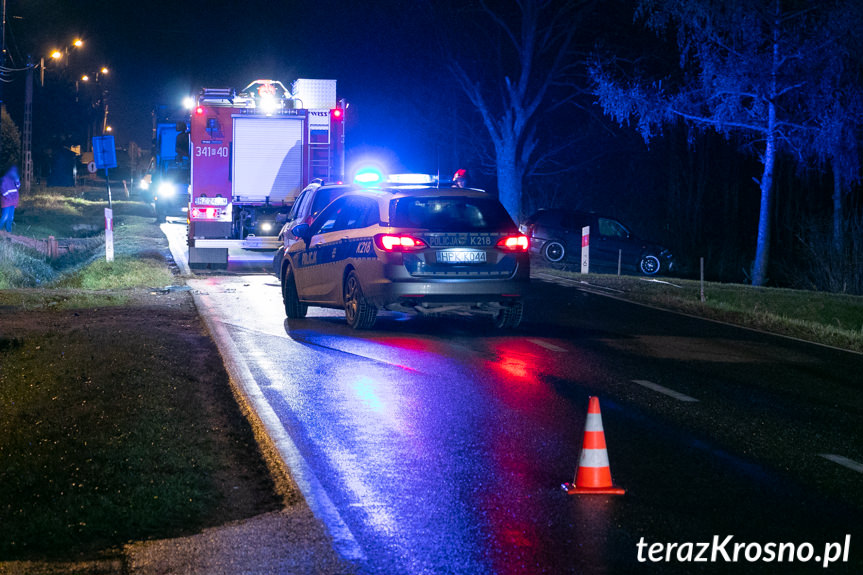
726, 550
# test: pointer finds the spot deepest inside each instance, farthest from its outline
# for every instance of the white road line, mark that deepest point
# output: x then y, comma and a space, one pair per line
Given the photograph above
843, 461
555, 279
664, 390
546, 345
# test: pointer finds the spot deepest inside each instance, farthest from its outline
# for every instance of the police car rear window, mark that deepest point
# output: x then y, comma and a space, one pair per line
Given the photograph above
450, 214
324, 196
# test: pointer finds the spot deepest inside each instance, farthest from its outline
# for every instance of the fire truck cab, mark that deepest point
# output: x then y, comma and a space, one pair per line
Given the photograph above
252, 152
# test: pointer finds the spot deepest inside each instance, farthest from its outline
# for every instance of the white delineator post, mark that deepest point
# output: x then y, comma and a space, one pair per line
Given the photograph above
109, 235
585, 249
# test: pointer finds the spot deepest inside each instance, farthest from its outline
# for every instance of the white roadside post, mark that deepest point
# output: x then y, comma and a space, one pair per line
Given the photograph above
105, 157
585, 249
109, 235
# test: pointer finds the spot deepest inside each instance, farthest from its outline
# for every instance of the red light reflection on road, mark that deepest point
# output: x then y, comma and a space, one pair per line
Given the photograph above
522, 461
518, 366
409, 343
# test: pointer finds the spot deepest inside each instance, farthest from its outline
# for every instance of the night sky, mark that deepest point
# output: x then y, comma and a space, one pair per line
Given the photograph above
406, 110
160, 51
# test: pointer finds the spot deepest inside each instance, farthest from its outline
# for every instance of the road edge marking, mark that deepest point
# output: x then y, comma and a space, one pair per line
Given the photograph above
176, 252
702, 318
289, 456
664, 390
546, 345
843, 461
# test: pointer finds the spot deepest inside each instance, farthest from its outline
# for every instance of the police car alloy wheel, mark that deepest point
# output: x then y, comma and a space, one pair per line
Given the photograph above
359, 313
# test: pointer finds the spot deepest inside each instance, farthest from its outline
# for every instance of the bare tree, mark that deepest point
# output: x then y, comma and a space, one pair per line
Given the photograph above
515, 65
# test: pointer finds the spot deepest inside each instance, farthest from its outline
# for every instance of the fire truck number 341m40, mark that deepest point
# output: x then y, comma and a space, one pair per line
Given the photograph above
252, 152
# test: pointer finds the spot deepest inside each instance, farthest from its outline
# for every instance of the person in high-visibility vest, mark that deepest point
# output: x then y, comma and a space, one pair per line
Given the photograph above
9, 197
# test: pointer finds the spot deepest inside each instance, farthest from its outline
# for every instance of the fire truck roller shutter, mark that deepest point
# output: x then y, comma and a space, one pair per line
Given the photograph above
267, 158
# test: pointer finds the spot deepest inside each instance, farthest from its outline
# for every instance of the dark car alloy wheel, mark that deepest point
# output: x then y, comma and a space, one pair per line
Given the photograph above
649, 265
554, 251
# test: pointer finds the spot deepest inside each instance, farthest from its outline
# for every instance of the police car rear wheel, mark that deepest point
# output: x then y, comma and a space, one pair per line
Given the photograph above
359, 313
509, 317
294, 308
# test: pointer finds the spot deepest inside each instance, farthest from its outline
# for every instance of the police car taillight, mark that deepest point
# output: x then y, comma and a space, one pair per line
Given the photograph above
394, 243
513, 243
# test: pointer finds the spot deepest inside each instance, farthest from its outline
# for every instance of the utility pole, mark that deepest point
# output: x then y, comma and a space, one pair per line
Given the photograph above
2, 51
28, 125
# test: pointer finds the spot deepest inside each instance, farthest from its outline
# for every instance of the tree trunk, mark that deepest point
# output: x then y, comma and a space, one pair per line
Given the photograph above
762, 249
509, 180
838, 216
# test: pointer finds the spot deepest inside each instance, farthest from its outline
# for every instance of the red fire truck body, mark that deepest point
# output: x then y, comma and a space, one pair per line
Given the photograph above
252, 153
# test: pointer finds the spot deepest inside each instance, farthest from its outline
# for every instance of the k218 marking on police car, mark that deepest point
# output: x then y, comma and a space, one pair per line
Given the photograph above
725, 551
331, 252
461, 240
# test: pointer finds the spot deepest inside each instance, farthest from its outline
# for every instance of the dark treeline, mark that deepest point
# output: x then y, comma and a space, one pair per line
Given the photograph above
438, 86
692, 189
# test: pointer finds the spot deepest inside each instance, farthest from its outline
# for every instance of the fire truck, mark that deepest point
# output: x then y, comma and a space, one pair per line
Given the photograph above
252, 152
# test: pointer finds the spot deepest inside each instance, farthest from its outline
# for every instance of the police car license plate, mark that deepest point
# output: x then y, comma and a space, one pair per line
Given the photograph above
461, 257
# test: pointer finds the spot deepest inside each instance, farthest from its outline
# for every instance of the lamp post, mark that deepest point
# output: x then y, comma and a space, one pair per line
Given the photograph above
56, 55
101, 104
2, 48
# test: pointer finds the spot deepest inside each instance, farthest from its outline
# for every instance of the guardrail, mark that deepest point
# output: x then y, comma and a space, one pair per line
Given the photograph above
52, 247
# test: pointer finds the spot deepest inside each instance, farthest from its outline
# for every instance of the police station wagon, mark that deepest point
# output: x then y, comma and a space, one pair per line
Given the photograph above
418, 250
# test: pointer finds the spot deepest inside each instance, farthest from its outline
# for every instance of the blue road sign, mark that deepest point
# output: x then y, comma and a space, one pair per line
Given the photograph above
104, 153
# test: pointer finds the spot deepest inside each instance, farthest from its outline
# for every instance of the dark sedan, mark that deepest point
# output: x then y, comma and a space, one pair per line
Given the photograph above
555, 238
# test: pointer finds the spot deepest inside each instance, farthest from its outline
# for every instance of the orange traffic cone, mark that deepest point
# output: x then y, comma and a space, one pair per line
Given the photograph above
593, 474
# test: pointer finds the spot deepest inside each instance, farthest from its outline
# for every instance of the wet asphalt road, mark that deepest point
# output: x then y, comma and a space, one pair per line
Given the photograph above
442, 444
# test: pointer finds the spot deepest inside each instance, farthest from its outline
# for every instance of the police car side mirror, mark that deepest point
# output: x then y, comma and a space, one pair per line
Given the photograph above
301, 231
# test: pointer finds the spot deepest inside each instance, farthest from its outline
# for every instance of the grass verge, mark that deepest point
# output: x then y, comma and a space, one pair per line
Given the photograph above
139, 246
117, 425
830, 319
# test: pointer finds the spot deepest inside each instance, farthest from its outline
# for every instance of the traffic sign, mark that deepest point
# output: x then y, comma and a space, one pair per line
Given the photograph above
104, 153
91, 167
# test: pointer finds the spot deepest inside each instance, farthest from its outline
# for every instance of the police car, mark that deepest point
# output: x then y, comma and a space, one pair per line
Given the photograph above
422, 250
